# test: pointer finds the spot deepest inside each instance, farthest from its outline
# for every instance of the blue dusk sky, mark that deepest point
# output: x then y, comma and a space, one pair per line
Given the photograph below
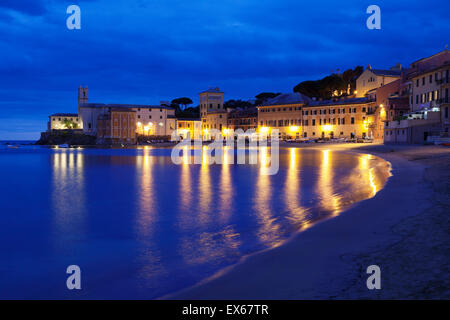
137, 51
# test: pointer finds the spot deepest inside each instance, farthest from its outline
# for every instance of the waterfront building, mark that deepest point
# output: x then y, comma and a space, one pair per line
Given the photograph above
413, 128
117, 126
191, 127
282, 113
344, 118
212, 112
428, 119
63, 121
151, 120
374, 78
243, 119
394, 97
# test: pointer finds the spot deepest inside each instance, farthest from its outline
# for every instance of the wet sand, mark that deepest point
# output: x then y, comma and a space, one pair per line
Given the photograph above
404, 229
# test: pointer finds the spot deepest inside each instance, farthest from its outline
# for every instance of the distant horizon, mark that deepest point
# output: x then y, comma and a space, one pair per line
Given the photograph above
144, 53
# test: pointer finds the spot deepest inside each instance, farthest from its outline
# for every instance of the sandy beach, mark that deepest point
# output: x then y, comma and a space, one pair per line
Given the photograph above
404, 230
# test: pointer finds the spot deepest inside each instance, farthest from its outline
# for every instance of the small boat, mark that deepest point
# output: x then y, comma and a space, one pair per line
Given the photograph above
13, 147
64, 145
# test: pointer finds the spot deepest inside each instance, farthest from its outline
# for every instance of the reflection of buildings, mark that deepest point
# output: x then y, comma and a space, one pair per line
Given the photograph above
68, 191
269, 230
329, 200
292, 195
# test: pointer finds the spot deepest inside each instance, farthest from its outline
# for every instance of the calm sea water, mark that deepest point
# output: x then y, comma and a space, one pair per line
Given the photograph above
140, 226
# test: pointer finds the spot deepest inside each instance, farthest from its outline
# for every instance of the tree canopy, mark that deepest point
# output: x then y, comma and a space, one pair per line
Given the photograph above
188, 113
234, 104
325, 87
184, 101
264, 96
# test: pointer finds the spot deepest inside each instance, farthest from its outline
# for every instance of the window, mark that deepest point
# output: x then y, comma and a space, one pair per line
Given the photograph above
149, 116
352, 120
431, 78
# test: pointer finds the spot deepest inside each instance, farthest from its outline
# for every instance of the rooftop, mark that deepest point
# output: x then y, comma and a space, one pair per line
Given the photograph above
287, 98
339, 102
117, 105
212, 90
73, 115
382, 72
188, 119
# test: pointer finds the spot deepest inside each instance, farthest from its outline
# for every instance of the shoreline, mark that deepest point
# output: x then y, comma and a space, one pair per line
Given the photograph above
329, 260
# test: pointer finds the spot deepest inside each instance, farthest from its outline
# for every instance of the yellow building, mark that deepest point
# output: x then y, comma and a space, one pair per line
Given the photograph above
374, 78
282, 113
348, 118
191, 127
212, 112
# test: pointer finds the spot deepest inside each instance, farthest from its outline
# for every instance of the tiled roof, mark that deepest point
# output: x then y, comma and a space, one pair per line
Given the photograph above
392, 73
287, 98
73, 115
188, 119
338, 102
118, 105
212, 90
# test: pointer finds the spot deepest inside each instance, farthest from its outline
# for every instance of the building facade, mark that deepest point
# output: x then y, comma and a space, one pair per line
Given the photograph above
428, 117
374, 78
190, 127
283, 113
117, 126
150, 120
243, 119
346, 118
62, 121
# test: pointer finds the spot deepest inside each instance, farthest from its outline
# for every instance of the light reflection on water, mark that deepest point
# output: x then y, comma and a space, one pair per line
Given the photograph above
158, 227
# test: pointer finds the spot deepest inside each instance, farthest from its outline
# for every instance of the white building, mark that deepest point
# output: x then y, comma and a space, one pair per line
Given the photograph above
62, 121
156, 120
